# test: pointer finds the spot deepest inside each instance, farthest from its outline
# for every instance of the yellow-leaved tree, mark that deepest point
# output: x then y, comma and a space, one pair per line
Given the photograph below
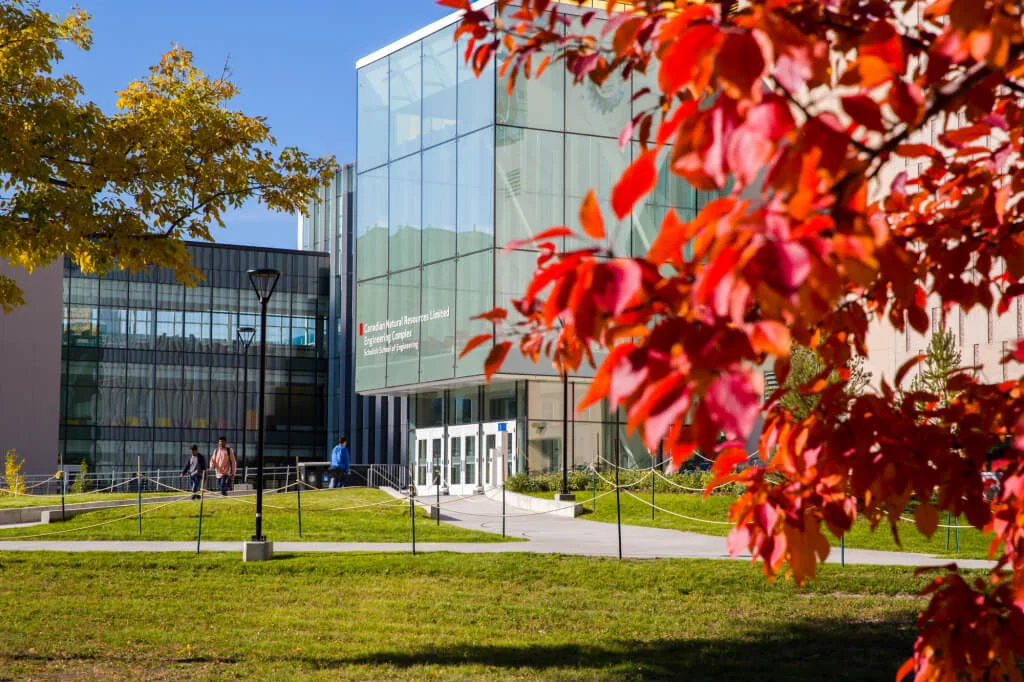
123, 190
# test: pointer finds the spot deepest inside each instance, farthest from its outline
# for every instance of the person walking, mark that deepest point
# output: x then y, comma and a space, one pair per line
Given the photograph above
222, 461
339, 463
195, 468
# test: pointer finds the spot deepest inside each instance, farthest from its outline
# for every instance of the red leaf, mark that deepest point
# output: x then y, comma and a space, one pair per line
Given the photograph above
727, 461
881, 40
636, 181
864, 111
926, 518
495, 358
456, 4
906, 367
493, 315
681, 58
740, 63
733, 401
550, 233
614, 284
474, 342
668, 245
769, 337
912, 151
590, 217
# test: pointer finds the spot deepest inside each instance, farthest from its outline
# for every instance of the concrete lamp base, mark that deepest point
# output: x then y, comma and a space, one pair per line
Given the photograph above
257, 550
567, 497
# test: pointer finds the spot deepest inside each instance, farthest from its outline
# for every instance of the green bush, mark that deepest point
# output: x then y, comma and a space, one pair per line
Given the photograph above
630, 479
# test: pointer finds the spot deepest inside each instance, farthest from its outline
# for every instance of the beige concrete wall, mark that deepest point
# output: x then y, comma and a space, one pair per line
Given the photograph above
30, 355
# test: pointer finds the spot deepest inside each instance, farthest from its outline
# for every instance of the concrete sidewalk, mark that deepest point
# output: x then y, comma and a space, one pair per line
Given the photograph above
543, 534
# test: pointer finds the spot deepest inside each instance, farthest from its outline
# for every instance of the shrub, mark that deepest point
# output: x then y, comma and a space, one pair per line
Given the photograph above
635, 480
12, 472
81, 485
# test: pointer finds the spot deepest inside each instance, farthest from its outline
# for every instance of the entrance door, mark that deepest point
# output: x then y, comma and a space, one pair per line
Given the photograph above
430, 461
499, 454
463, 459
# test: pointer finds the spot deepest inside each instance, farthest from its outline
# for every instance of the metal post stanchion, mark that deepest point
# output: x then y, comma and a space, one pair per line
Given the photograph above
437, 490
298, 494
63, 484
618, 501
842, 551
138, 488
502, 509
199, 534
593, 490
412, 517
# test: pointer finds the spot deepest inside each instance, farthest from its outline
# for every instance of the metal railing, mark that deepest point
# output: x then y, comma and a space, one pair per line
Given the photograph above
387, 476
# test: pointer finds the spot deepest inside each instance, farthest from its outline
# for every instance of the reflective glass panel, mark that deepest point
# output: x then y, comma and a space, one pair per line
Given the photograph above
476, 191
439, 86
475, 95
534, 102
404, 74
404, 217
371, 333
474, 281
372, 116
439, 202
403, 328
597, 109
595, 163
529, 174
372, 224
437, 342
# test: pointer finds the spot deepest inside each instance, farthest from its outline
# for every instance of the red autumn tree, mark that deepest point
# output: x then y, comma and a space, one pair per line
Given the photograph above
799, 111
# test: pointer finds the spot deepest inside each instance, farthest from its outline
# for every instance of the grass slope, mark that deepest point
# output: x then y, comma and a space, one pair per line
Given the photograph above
444, 617
637, 512
346, 515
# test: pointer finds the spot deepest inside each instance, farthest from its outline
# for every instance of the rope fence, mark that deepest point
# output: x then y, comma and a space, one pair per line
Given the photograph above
447, 505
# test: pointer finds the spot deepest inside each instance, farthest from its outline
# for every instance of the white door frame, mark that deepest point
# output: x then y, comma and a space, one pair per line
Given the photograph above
461, 439
504, 455
430, 438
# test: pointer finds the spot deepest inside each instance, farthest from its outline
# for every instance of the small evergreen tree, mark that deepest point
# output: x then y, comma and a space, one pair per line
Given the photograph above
79, 486
805, 363
942, 359
12, 472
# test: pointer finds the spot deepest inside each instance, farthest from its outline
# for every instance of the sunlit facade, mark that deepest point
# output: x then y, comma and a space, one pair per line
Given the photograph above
451, 168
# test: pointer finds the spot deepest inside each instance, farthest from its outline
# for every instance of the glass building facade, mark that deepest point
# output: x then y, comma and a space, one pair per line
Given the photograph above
374, 424
150, 366
450, 169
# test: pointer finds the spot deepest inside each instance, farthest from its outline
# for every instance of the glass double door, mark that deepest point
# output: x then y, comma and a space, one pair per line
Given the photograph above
462, 459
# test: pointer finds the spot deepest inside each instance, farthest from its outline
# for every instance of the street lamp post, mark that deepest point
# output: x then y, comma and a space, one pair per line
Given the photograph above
263, 281
245, 338
565, 495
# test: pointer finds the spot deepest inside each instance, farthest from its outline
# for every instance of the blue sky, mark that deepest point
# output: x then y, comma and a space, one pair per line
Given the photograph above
293, 62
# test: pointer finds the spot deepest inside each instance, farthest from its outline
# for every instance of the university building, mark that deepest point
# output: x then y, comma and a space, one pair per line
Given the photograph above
450, 168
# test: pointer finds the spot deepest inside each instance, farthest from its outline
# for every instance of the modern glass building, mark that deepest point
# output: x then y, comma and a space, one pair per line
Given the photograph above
150, 366
375, 424
450, 169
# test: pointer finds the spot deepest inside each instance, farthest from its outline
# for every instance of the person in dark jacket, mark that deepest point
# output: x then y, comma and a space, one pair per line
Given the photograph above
339, 463
196, 470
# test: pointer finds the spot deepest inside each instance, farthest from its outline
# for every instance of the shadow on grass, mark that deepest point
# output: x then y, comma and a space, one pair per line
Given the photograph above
806, 650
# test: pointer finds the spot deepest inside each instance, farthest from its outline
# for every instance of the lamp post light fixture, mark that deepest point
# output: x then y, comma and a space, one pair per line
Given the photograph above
565, 495
263, 281
245, 339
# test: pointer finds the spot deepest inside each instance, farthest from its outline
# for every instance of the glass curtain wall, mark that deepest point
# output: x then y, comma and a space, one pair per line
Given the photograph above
151, 366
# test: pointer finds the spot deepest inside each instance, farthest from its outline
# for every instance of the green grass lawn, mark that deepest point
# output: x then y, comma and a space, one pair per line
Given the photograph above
346, 515
973, 544
13, 501
444, 617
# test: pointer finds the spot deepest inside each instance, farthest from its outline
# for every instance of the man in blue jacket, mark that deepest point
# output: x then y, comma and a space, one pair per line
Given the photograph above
339, 463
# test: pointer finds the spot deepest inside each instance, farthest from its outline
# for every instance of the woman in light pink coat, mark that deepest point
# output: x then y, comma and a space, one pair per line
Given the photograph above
222, 461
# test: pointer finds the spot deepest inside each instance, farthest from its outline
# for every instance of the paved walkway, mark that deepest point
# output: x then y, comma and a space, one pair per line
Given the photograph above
544, 534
